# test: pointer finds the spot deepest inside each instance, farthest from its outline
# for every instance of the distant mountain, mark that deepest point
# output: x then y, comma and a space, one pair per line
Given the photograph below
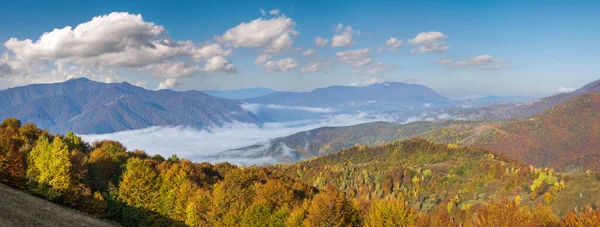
380, 96
247, 93
386, 97
88, 107
538, 106
504, 99
565, 137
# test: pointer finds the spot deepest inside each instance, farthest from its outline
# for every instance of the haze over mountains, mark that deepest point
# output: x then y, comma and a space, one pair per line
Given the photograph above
563, 137
85, 106
88, 107
376, 98
247, 93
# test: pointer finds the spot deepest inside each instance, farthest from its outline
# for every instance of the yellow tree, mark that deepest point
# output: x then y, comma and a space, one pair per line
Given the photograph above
105, 165
138, 187
390, 213
49, 164
331, 208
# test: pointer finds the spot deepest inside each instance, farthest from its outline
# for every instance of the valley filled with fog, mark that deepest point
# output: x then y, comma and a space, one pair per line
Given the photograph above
207, 144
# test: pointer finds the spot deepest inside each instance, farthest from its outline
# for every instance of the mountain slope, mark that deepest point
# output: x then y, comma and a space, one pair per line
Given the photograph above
538, 106
85, 106
566, 137
21, 209
327, 140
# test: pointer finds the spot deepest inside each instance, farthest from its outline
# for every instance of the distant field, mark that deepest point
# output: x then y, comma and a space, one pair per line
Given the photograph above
20, 209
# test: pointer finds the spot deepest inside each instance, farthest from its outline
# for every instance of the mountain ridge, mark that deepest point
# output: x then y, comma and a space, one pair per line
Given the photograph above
86, 106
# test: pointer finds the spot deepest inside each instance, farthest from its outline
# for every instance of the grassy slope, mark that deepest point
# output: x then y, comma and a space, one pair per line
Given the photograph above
18, 208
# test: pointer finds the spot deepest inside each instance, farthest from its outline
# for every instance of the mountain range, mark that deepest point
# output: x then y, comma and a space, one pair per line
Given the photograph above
562, 135
84, 106
247, 93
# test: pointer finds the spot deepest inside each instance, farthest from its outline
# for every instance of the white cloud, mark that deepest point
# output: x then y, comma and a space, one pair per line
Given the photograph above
112, 33
272, 35
309, 52
444, 61
262, 58
378, 68
430, 42
281, 65
185, 142
169, 83
496, 66
262, 11
219, 63
107, 42
302, 108
393, 42
321, 42
359, 57
561, 89
274, 12
481, 60
172, 69
315, 66
367, 82
345, 37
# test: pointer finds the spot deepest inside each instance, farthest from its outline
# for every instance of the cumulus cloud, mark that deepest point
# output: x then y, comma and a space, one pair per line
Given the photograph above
281, 65
274, 12
208, 145
482, 61
429, 42
309, 52
219, 63
345, 37
271, 35
115, 40
321, 42
393, 42
169, 83
262, 58
172, 69
355, 58
315, 66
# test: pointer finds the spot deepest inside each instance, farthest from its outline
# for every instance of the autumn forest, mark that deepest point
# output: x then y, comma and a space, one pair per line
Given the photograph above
405, 183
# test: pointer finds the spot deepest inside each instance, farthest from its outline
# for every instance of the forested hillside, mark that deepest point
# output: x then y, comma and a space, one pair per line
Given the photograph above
565, 137
411, 182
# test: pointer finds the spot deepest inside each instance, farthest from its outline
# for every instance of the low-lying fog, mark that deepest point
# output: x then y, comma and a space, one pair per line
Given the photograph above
204, 145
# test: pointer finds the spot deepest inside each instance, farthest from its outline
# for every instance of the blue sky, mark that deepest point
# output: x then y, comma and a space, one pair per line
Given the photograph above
536, 47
